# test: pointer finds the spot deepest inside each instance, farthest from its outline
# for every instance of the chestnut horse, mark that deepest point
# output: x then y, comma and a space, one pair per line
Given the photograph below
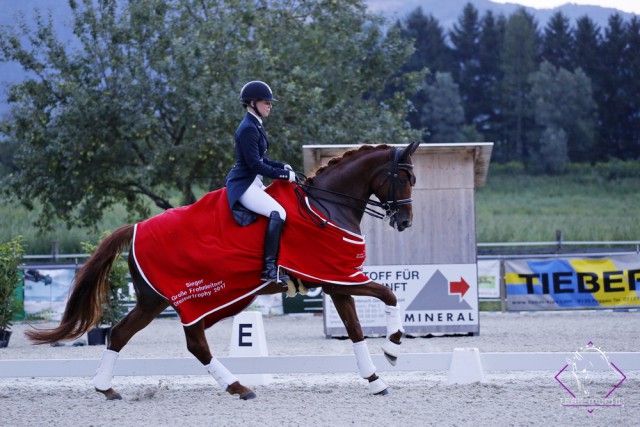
340, 191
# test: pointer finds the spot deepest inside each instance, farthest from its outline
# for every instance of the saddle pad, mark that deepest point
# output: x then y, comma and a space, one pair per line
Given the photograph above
208, 266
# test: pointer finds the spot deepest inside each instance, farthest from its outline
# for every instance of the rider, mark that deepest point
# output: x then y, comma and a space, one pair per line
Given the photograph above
244, 181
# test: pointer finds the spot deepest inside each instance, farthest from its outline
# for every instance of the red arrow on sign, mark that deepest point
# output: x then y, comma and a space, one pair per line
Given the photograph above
460, 287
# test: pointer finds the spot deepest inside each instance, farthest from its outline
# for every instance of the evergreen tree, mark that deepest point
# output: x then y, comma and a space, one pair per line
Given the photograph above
430, 53
465, 38
519, 58
558, 42
614, 89
429, 42
586, 51
489, 121
632, 62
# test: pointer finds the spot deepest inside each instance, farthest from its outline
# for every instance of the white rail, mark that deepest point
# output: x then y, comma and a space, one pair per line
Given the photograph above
624, 361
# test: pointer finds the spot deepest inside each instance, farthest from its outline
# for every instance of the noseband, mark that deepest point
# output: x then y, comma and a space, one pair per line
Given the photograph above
392, 204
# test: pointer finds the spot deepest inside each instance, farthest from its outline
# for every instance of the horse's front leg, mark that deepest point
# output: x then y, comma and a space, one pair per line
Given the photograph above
393, 315
198, 346
346, 309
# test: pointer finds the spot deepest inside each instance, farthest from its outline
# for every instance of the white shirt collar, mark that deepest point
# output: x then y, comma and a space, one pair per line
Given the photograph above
254, 115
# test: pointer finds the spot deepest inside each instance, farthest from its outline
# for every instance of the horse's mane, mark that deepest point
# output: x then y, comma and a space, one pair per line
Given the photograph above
346, 156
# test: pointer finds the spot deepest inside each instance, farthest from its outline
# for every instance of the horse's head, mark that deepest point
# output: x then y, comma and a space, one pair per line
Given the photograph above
342, 188
393, 185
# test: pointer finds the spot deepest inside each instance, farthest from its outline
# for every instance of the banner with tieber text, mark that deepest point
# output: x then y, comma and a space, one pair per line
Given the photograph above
573, 283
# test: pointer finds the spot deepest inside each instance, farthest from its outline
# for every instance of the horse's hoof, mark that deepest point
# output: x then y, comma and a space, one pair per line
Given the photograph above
248, 396
391, 351
391, 359
245, 393
110, 394
378, 387
383, 392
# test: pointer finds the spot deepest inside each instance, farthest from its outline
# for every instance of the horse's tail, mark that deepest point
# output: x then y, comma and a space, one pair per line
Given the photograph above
91, 290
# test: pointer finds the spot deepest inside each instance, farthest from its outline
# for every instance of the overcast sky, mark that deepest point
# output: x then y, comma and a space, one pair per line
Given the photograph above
631, 6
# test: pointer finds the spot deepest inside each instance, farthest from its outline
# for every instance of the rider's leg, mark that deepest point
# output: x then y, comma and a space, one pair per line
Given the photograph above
256, 200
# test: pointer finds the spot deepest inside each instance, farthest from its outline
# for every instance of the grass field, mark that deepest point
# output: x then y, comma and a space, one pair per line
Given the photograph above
587, 205
599, 203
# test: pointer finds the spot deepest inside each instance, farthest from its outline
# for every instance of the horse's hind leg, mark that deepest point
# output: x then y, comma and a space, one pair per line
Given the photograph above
346, 307
197, 345
149, 305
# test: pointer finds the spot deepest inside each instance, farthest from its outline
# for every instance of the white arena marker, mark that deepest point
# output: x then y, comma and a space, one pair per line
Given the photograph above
248, 340
465, 367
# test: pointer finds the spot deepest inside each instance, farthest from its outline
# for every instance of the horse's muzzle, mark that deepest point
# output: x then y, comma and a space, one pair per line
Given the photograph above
400, 225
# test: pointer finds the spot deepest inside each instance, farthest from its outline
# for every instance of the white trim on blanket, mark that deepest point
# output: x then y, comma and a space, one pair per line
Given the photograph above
359, 236
135, 258
291, 270
228, 304
133, 251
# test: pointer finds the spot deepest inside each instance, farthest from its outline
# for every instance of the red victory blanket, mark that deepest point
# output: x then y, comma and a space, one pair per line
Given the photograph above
209, 267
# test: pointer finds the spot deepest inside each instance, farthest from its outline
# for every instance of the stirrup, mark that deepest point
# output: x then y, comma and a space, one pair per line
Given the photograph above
272, 276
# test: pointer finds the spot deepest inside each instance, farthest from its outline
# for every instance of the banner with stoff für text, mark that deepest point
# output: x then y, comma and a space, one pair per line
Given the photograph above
434, 299
573, 283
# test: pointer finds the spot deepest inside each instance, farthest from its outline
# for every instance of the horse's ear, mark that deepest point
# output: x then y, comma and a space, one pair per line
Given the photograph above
411, 148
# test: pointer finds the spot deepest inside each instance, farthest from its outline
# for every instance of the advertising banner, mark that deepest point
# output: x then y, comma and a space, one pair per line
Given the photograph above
489, 278
435, 299
46, 291
573, 283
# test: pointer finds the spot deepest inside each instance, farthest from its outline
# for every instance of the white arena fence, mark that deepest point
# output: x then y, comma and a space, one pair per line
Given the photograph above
410, 362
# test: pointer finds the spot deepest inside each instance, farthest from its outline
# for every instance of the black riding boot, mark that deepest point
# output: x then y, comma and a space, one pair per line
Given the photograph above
271, 249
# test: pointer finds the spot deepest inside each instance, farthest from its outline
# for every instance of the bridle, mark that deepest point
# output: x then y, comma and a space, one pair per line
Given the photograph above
391, 205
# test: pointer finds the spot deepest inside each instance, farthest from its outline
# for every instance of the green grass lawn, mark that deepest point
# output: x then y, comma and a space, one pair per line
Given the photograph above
586, 205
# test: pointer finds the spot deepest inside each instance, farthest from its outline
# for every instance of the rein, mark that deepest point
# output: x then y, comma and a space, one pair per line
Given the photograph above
390, 206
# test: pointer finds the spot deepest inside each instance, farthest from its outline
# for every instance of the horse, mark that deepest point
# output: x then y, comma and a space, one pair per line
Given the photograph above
335, 198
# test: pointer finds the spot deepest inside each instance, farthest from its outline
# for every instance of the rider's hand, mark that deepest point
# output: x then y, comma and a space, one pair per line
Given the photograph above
288, 168
292, 176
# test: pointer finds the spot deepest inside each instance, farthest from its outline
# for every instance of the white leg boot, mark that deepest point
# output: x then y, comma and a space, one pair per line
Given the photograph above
394, 324
366, 368
104, 373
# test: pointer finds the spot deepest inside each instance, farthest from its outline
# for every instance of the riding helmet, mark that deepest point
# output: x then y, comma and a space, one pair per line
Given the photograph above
260, 91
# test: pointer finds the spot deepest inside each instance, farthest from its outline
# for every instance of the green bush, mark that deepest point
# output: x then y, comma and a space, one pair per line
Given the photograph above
11, 255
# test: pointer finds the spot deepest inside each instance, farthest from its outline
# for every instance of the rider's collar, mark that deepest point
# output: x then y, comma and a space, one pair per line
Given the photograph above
250, 110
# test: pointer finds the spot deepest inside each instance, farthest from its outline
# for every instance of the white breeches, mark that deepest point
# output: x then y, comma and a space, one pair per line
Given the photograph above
257, 200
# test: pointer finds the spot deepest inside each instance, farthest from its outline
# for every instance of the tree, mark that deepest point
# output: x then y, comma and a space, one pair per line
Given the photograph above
632, 62
586, 50
465, 38
558, 42
562, 101
148, 103
490, 75
519, 58
550, 156
431, 53
443, 113
615, 88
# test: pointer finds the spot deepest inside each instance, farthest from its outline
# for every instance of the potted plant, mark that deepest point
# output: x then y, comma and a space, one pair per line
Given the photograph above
118, 296
11, 254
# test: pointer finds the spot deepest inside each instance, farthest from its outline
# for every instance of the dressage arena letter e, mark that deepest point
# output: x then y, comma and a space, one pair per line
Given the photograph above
242, 333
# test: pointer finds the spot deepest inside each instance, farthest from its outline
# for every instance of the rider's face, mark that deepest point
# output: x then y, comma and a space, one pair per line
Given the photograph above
264, 107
